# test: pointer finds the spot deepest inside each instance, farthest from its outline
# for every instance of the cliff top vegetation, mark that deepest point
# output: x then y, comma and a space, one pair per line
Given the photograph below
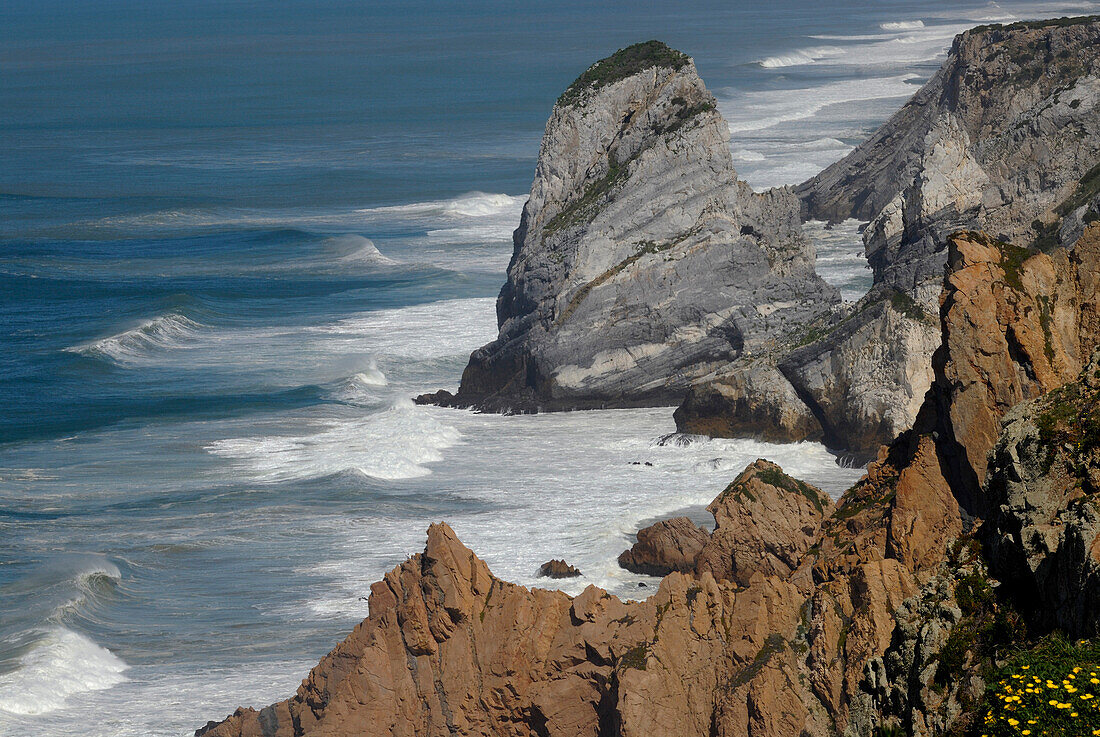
621, 65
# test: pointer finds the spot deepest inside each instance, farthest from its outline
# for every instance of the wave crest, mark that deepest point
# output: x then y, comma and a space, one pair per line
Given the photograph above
902, 25
801, 56
165, 332
357, 249
58, 665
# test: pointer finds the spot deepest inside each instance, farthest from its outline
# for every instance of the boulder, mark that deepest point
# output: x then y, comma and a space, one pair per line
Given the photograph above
558, 569
665, 546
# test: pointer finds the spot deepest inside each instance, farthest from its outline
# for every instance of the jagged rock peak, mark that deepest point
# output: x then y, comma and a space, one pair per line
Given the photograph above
641, 263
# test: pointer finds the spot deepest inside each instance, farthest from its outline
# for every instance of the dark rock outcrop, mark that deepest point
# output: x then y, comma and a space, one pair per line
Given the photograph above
1044, 481
641, 263
665, 546
558, 568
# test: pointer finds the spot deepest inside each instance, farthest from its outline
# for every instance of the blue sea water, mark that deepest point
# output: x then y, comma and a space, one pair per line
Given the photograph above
236, 237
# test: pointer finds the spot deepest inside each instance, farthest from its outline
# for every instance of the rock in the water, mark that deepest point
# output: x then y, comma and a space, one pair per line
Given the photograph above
641, 263
666, 546
765, 521
750, 399
558, 568
442, 397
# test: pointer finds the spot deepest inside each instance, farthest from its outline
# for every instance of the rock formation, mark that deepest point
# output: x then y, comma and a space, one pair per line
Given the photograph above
765, 521
1044, 533
641, 263
998, 140
800, 618
665, 546
558, 569
1004, 138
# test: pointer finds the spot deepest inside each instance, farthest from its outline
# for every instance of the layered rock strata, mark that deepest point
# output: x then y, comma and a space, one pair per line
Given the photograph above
641, 262
1004, 138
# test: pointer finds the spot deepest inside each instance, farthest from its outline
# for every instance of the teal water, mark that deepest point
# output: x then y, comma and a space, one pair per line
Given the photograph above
235, 237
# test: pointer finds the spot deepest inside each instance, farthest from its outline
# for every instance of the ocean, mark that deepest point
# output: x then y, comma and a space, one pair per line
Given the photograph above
237, 237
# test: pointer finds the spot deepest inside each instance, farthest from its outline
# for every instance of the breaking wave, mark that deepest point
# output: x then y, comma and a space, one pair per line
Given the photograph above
390, 445
801, 56
58, 665
165, 332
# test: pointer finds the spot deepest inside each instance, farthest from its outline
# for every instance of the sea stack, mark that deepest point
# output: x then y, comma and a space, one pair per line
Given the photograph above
641, 263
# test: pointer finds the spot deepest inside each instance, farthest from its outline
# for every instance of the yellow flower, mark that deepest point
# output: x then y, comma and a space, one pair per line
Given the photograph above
1025, 667
1053, 702
1094, 680
1026, 731
1013, 722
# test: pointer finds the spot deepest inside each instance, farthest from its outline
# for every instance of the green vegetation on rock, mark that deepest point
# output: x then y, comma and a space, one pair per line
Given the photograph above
622, 64
1087, 188
1034, 25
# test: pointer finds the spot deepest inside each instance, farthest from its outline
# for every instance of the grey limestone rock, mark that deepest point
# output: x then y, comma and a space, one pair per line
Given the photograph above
1004, 138
641, 263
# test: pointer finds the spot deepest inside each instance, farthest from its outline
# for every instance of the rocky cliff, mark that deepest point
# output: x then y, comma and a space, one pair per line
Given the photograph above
795, 618
1004, 138
641, 263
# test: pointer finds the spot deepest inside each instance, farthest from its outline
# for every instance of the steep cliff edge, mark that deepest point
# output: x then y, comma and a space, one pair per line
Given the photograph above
1004, 138
641, 263
794, 616
999, 137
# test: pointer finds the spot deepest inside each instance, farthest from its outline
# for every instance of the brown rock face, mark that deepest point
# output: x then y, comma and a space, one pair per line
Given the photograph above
666, 546
448, 649
764, 522
782, 647
1016, 325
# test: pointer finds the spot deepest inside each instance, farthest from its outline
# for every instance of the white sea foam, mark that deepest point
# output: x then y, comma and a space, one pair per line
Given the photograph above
434, 330
902, 25
397, 443
466, 208
577, 486
744, 154
753, 111
801, 56
58, 665
362, 389
167, 331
